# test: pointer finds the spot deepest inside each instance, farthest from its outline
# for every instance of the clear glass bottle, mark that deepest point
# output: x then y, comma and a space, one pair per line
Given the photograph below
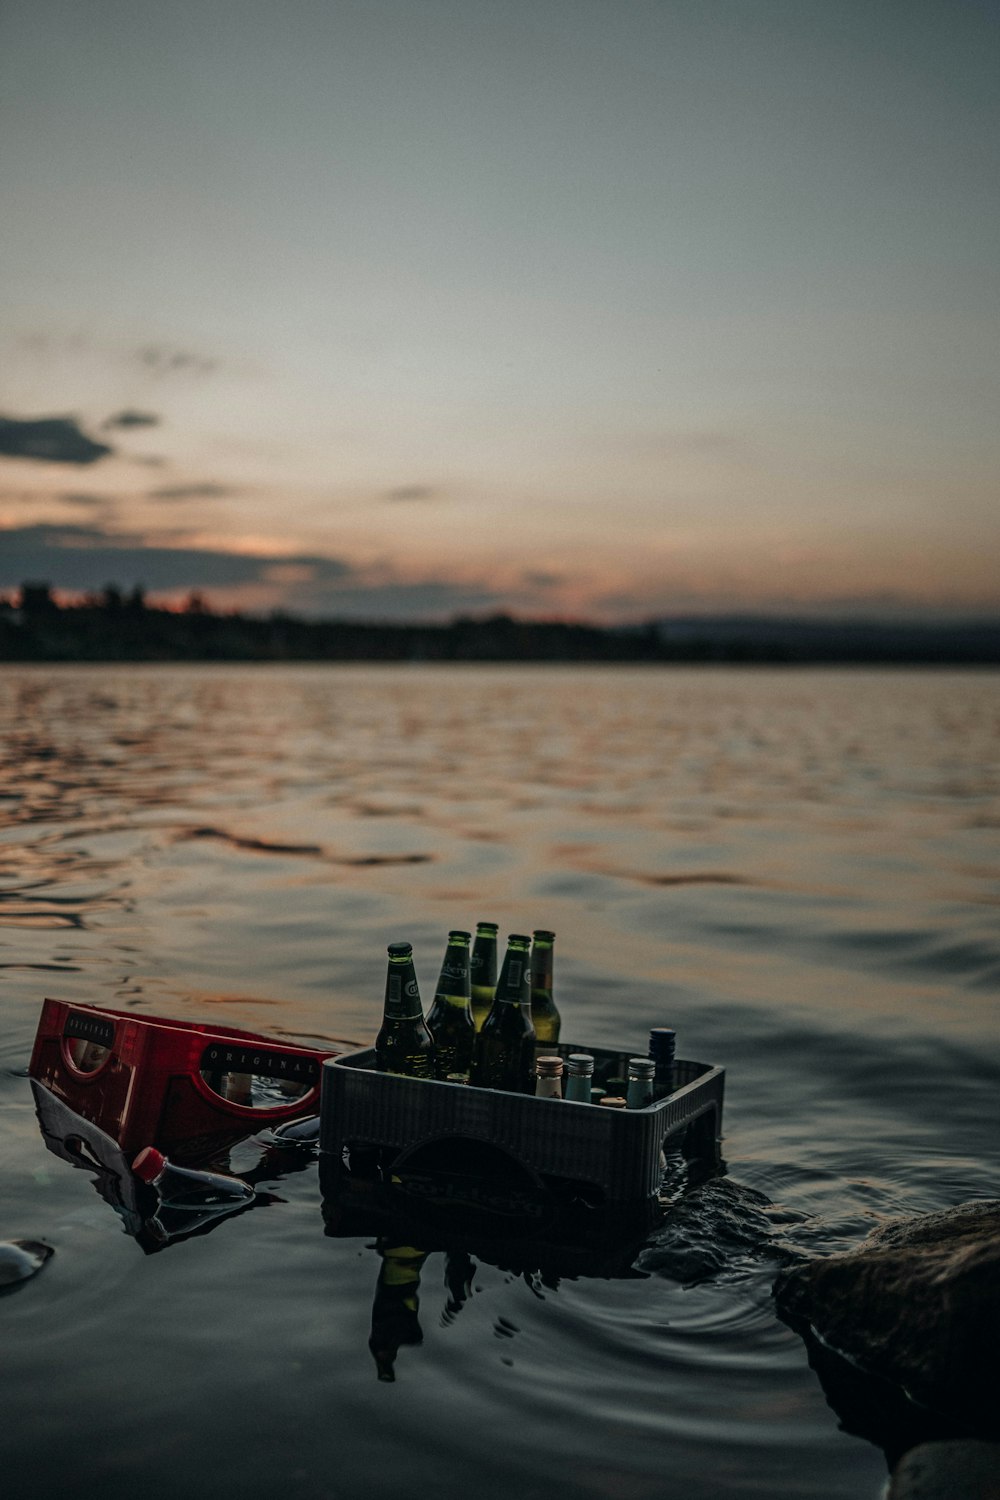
548, 1077
449, 1019
184, 1187
579, 1077
483, 971
403, 1045
505, 1047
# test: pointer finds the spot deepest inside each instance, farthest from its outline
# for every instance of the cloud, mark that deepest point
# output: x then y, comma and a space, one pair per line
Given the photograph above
161, 359
131, 418
207, 491
85, 502
54, 440
413, 492
87, 557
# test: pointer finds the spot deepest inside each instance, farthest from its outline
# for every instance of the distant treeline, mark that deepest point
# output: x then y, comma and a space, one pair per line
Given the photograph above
118, 626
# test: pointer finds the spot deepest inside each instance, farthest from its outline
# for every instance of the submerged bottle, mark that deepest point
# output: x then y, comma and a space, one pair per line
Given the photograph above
403, 1045
579, 1077
449, 1019
544, 1015
483, 967
185, 1188
505, 1048
639, 1094
548, 1077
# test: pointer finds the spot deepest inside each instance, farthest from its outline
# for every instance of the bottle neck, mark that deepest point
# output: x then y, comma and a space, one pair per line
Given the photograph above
453, 984
402, 994
514, 984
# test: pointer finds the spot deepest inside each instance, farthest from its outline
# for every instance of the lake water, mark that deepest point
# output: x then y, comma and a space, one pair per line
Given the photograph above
800, 871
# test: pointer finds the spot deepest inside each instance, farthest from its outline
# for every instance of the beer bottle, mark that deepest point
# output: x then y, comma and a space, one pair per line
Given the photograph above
548, 1077
449, 1019
505, 1048
403, 1045
483, 965
662, 1046
579, 1077
544, 1015
640, 1082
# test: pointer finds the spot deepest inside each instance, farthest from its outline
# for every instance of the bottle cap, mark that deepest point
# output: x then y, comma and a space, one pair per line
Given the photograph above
612, 1101
548, 1067
641, 1067
149, 1164
518, 937
457, 934
579, 1064
400, 950
487, 927
543, 935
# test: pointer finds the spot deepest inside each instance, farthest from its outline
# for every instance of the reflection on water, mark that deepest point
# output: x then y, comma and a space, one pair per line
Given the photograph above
797, 870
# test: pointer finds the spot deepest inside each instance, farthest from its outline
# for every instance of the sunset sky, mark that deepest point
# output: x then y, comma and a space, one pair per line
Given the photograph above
587, 308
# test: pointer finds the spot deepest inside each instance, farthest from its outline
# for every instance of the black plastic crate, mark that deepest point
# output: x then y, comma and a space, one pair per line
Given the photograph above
422, 1127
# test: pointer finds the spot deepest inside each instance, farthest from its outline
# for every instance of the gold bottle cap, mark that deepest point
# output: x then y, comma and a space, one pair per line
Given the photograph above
612, 1101
548, 1067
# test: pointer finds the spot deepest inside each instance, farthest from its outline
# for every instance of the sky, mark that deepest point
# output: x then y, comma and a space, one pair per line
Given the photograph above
603, 309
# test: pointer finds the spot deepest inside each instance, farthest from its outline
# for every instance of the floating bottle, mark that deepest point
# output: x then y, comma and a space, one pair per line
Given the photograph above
662, 1045
483, 971
185, 1188
548, 1077
579, 1077
544, 1015
639, 1094
449, 1019
505, 1047
403, 1045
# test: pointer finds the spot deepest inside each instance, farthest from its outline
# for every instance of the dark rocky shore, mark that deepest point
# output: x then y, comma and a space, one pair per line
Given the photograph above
903, 1332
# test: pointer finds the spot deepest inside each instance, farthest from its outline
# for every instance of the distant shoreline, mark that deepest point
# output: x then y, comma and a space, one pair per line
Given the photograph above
117, 628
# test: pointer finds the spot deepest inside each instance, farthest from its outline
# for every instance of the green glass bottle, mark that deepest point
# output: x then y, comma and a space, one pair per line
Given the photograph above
449, 1019
505, 1047
544, 1016
403, 1045
483, 965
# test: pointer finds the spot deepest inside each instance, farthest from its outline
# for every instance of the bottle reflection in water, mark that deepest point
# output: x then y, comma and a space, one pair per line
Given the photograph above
395, 1320
403, 1045
483, 967
505, 1048
544, 1014
449, 1019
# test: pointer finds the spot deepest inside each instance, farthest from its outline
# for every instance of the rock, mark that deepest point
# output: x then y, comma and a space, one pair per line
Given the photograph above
917, 1304
948, 1471
20, 1260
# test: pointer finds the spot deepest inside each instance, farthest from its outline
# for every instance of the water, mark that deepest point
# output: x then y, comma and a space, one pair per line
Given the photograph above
798, 870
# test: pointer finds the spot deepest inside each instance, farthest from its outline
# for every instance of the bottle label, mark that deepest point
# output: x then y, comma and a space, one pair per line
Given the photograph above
514, 972
395, 988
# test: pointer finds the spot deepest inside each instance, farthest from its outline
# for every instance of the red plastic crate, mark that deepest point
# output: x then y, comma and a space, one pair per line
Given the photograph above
139, 1078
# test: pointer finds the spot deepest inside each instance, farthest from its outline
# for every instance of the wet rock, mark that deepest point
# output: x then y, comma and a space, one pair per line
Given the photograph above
720, 1228
948, 1471
19, 1261
917, 1304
